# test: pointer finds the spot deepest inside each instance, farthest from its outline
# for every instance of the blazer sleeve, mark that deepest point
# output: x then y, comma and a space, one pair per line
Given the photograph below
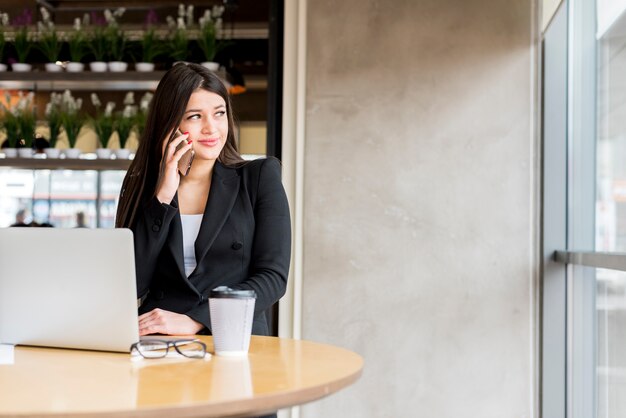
150, 233
271, 250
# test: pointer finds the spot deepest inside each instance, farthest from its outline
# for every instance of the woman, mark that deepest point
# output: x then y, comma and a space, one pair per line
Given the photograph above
225, 223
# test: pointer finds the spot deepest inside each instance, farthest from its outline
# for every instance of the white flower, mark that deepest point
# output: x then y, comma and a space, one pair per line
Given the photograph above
180, 23
4, 19
171, 23
181, 10
129, 99
119, 12
129, 111
108, 111
218, 24
77, 24
40, 27
56, 98
48, 109
190, 15
45, 15
79, 103
23, 103
217, 11
145, 102
108, 16
95, 100
86, 19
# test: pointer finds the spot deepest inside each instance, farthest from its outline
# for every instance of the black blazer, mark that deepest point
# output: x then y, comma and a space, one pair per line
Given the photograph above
244, 242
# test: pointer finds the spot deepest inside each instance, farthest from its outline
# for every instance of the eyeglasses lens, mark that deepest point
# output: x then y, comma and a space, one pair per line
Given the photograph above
194, 349
152, 349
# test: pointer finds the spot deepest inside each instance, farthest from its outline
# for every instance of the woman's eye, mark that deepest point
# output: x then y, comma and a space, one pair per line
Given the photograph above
196, 116
220, 113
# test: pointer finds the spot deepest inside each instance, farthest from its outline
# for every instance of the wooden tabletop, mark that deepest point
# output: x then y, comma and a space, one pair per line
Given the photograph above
277, 373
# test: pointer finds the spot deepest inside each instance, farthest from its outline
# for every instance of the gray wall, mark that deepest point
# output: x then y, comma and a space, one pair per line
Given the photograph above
418, 240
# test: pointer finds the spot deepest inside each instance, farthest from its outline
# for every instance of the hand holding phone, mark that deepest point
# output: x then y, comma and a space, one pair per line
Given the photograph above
184, 164
168, 181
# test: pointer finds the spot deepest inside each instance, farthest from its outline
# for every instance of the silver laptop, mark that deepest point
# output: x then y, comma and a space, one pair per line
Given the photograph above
71, 288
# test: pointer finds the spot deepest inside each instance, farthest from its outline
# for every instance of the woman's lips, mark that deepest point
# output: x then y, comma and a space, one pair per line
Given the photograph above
210, 142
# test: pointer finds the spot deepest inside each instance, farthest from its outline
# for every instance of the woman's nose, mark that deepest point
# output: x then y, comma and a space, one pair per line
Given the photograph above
207, 126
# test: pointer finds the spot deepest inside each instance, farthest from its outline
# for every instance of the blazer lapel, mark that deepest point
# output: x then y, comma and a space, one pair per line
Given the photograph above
222, 197
175, 241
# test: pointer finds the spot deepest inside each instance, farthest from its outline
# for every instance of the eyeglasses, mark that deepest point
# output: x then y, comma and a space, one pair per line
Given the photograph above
160, 348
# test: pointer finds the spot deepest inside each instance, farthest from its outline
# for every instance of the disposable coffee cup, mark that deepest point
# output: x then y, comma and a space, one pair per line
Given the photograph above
232, 312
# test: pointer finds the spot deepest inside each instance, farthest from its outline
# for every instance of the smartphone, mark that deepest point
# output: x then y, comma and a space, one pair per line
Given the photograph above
184, 164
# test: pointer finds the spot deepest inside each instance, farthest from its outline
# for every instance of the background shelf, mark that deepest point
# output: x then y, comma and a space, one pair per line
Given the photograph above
64, 164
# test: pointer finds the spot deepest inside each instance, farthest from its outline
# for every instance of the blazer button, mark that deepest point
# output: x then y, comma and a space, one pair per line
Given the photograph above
236, 245
156, 228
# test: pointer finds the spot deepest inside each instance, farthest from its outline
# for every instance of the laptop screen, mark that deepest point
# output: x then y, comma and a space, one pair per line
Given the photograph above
72, 288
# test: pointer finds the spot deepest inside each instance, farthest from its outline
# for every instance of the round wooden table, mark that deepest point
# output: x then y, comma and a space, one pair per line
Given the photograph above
277, 373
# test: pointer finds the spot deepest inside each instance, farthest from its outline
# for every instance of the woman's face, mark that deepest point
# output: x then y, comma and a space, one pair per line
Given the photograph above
207, 123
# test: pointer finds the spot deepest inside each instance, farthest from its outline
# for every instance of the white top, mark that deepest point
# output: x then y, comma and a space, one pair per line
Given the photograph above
191, 227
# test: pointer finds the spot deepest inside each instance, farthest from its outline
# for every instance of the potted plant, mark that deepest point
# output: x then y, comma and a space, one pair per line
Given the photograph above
19, 123
124, 123
151, 47
77, 43
49, 43
98, 44
53, 119
141, 116
72, 121
178, 39
104, 125
4, 21
210, 25
22, 42
26, 121
11, 127
116, 40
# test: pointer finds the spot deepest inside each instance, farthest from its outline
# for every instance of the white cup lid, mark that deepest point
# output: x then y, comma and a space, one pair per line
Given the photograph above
227, 292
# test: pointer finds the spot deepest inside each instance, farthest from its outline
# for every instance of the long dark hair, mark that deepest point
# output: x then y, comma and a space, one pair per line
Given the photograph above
165, 113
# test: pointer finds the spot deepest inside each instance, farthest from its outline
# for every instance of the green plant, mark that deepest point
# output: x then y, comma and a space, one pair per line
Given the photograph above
179, 45
178, 40
115, 37
26, 122
19, 121
142, 114
77, 42
4, 21
23, 44
124, 123
151, 46
49, 43
53, 118
97, 43
103, 123
210, 25
11, 127
72, 124
72, 119
116, 43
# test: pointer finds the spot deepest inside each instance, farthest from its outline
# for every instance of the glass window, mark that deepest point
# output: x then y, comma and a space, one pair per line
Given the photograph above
60, 198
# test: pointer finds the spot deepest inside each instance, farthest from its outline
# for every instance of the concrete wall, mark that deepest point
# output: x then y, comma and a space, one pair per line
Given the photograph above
418, 230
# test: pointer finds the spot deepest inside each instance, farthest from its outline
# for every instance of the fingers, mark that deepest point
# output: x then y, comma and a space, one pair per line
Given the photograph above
166, 322
152, 322
171, 151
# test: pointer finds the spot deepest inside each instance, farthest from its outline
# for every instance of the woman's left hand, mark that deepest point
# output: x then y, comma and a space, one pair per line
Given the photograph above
158, 321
